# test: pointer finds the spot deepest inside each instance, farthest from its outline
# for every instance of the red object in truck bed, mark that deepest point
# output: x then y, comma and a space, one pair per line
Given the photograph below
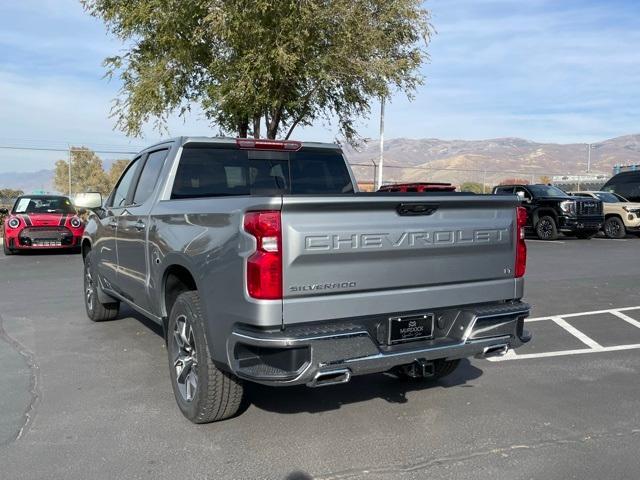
418, 187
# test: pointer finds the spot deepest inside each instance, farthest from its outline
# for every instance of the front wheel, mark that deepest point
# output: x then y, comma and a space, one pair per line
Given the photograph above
96, 311
203, 392
546, 228
614, 228
7, 251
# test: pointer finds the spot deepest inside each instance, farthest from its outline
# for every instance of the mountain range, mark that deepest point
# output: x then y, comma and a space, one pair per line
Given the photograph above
493, 160
455, 161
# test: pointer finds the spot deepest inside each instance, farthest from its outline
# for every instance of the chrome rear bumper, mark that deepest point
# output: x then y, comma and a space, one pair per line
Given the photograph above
340, 350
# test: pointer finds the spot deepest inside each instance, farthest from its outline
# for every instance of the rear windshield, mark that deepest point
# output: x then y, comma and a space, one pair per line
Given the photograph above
205, 171
51, 204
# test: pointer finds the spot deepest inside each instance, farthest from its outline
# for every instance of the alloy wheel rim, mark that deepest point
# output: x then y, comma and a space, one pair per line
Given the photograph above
545, 228
613, 229
185, 360
88, 288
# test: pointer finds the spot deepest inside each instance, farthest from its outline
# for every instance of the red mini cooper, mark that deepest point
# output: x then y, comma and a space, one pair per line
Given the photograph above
42, 222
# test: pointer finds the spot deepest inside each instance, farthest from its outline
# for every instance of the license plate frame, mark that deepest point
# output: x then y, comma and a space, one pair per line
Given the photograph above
396, 328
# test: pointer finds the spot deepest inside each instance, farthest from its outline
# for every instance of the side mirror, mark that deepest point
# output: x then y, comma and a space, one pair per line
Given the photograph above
4, 211
88, 200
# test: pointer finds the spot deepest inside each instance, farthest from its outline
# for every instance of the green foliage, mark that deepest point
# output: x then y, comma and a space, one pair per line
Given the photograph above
87, 174
115, 171
249, 63
474, 187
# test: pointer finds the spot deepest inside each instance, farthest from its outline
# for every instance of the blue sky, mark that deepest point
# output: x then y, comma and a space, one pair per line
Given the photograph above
546, 70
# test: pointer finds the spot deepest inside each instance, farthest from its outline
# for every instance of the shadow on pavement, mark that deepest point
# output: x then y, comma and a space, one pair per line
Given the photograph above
299, 475
301, 399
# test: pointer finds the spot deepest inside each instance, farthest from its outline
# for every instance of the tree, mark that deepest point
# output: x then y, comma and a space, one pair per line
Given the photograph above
474, 187
10, 193
545, 179
115, 171
87, 174
251, 63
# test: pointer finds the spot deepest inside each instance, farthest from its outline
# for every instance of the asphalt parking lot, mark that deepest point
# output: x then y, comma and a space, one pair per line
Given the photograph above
85, 400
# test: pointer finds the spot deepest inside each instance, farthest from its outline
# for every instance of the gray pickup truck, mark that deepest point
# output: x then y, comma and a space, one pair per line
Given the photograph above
263, 263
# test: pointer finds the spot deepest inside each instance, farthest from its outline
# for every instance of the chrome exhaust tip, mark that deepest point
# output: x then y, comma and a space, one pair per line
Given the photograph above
495, 351
330, 377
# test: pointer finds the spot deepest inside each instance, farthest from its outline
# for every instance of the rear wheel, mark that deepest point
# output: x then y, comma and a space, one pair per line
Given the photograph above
203, 392
96, 311
614, 228
546, 228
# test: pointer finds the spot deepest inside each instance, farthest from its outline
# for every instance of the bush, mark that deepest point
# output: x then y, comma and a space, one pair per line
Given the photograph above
473, 187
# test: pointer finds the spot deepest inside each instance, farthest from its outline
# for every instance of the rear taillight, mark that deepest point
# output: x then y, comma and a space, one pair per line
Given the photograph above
521, 246
257, 144
264, 266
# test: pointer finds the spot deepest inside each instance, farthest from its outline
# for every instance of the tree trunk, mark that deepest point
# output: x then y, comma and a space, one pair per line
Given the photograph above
243, 127
256, 126
272, 126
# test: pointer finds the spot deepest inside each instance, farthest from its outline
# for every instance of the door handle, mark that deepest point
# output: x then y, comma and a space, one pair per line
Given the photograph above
140, 225
414, 209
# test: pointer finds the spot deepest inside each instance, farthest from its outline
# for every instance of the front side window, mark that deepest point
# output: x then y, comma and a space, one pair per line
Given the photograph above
149, 176
119, 197
524, 192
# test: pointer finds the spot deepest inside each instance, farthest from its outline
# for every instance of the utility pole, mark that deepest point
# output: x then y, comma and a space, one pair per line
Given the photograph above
69, 171
589, 147
379, 182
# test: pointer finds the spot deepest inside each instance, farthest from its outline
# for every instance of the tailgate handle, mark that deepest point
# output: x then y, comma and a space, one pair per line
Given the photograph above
412, 209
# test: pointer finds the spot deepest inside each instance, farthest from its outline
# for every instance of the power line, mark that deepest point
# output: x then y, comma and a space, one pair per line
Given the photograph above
51, 149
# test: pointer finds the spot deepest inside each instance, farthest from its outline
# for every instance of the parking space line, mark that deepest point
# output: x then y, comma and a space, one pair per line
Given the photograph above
594, 346
550, 242
561, 353
626, 318
580, 314
588, 341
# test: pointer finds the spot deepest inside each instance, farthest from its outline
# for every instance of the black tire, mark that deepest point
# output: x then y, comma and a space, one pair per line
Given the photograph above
588, 235
546, 228
96, 311
614, 228
216, 394
442, 368
7, 251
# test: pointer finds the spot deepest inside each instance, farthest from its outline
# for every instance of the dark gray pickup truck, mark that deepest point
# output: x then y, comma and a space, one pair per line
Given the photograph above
263, 263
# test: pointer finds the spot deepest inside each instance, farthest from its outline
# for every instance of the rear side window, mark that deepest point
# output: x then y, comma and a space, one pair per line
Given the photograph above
204, 171
149, 176
504, 190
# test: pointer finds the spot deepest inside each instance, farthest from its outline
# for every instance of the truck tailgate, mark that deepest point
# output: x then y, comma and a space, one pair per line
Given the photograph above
345, 256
